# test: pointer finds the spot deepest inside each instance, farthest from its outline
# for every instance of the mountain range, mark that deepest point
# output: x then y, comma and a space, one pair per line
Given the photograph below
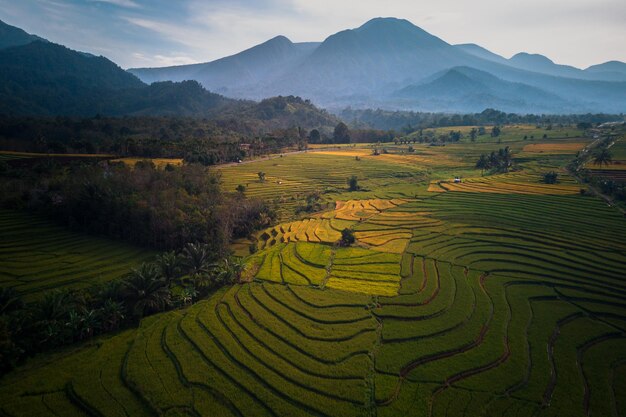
41, 78
391, 63
386, 63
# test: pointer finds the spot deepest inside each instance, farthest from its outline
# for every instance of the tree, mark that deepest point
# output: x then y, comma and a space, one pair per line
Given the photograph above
495, 132
197, 258
241, 189
550, 177
314, 136
261, 175
473, 134
353, 183
347, 237
112, 315
341, 133
482, 163
146, 290
602, 157
169, 265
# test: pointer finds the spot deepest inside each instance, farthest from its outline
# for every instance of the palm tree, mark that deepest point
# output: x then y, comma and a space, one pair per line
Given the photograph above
112, 314
9, 300
54, 306
169, 265
197, 257
482, 163
188, 294
146, 290
603, 157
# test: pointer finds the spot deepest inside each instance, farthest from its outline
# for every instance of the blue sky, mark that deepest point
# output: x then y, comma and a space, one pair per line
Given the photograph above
137, 33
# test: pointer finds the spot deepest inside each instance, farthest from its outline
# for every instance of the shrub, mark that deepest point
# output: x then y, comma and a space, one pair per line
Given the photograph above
550, 177
353, 183
347, 237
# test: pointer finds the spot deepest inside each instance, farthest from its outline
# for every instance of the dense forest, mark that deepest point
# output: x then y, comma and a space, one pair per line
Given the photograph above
159, 208
411, 121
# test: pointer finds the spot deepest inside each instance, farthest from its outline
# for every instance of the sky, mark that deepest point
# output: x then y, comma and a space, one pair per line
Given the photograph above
153, 33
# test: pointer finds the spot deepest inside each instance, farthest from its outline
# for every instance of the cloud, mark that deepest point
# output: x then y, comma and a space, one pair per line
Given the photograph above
162, 60
121, 3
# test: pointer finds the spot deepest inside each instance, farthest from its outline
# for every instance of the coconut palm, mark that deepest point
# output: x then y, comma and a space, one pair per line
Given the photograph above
603, 157
196, 258
146, 290
9, 300
112, 314
169, 265
54, 306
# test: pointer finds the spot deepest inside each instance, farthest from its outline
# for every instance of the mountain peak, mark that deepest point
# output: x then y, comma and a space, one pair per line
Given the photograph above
531, 58
388, 22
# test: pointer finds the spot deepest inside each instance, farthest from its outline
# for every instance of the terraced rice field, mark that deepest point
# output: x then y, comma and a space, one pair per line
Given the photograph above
289, 179
555, 147
514, 183
37, 256
495, 304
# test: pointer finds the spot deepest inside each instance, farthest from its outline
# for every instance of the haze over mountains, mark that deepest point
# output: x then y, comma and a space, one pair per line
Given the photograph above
386, 63
380, 63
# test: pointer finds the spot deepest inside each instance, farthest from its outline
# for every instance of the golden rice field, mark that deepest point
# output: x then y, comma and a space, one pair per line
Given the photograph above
555, 147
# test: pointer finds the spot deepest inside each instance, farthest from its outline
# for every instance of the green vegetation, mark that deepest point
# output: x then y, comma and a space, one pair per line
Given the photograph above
499, 295
38, 256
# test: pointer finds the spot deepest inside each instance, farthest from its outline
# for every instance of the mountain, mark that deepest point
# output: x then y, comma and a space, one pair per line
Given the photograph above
611, 70
366, 66
480, 52
463, 89
543, 64
235, 75
12, 36
43, 78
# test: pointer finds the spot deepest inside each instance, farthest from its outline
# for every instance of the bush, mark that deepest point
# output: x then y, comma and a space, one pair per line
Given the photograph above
353, 183
550, 177
347, 237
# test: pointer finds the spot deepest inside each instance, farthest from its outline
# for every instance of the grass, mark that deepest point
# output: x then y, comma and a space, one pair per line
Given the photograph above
494, 303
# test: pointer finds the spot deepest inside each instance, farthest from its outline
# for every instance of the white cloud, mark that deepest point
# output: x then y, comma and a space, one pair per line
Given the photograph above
122, 3
161, 60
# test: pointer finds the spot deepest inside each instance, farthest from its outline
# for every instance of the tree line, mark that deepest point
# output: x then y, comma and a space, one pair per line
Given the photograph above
408, 121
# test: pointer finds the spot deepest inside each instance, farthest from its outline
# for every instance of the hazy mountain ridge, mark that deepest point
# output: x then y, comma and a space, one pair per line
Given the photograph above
12, 36
366, 66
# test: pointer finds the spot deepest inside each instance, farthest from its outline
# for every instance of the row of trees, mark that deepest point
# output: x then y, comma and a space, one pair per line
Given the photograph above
174, 279
499, 162
409, 121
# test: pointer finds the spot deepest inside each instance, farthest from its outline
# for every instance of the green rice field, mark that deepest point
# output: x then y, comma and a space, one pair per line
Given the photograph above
38, 256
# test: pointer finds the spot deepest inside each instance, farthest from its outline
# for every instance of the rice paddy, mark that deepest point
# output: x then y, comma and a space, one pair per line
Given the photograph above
38, 256
461, 302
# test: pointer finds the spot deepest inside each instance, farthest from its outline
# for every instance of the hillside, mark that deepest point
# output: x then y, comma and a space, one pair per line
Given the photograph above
12, 36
